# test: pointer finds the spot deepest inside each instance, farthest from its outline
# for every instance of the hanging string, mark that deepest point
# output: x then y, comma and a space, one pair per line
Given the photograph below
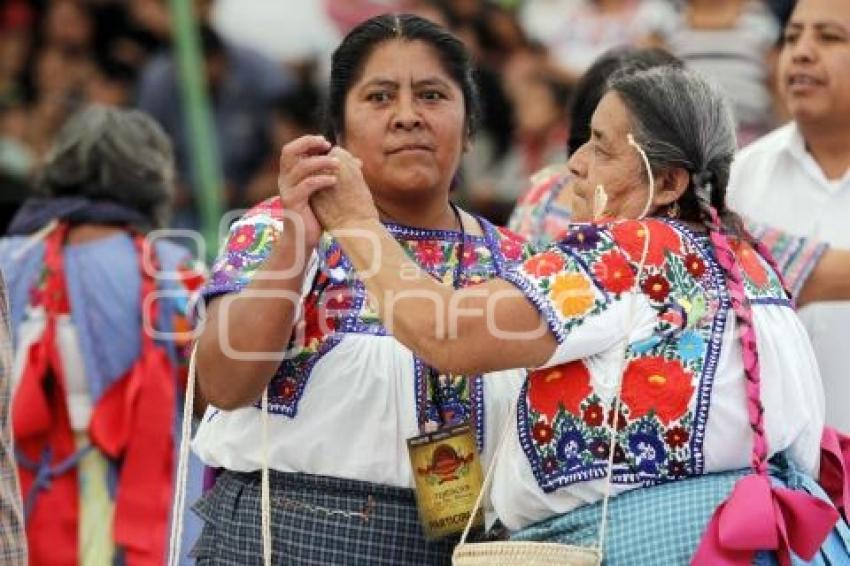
265, 495
182, 467
649, 174
612, 437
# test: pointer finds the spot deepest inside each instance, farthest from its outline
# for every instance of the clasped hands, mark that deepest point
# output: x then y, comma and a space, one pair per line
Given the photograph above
323, 186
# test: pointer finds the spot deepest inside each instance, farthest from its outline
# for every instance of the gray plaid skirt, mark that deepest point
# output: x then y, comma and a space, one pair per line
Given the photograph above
315, 520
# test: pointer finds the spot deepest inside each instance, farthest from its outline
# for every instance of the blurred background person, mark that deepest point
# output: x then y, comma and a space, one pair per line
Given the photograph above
538, 99
243, 86
797, 178
97, 399
731, 42
578, 31
295, 114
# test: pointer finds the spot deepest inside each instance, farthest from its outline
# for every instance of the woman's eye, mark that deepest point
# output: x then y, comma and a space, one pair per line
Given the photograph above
379, 96
830, 38
433, 95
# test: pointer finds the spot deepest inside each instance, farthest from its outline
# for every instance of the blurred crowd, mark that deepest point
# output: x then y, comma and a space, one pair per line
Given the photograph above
265, 62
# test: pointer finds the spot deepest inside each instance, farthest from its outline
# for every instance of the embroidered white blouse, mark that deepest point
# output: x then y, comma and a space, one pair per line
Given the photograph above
683, 410
348, 399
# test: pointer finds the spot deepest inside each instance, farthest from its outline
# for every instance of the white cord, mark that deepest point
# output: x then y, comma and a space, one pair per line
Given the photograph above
617, 401
646, 164
182, 467
265, 495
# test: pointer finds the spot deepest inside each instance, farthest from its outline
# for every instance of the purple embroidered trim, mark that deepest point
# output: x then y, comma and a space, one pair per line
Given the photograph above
540, 302
712, 355
772, 301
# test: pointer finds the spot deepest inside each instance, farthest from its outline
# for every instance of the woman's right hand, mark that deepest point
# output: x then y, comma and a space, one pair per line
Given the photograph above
305, 167
349, 202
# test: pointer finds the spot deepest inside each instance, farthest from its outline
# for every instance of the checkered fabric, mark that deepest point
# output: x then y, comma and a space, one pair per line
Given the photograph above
663, 525
315, 520
13, 547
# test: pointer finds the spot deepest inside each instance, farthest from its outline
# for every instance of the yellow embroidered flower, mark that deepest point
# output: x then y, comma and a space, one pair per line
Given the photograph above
572, 294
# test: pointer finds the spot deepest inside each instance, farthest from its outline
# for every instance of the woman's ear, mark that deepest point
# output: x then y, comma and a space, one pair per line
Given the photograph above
467, 141
670, 185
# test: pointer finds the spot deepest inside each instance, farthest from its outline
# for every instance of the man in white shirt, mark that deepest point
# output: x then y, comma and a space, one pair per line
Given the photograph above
797, 178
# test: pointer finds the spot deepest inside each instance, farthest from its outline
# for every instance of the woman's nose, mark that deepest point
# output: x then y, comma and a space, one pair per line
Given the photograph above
577, 163
406, 116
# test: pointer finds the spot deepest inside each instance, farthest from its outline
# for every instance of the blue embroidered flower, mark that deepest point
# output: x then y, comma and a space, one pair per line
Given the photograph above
644, 346
582, 237
691, 346
571, 446
648, 450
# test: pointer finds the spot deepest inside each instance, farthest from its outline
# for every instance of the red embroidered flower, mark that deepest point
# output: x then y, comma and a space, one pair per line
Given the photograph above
614, 272
564, 386
510, 245
544, 264
631, 236
594, 414
657, 384
429, 253
677, 436
750, 263
550, 465
657, 287
338, 300
542, 433
317, 324
334, 258
677, 469
621, 419
470, 256
288, 388
242, 239
694, 265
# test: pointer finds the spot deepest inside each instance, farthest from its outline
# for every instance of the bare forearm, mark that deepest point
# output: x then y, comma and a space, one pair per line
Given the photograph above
246, 333
481, 328
830, 280
409, 301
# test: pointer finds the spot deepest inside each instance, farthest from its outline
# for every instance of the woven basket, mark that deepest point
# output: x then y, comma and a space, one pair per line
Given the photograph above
524, 554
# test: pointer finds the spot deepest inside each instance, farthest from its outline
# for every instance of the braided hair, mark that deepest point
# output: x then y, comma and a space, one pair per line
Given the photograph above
680, 120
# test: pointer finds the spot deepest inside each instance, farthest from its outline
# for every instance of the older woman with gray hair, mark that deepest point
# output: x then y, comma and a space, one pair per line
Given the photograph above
98, 314
668, 355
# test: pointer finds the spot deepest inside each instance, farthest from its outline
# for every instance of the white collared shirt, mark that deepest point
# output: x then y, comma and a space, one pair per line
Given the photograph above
777, 182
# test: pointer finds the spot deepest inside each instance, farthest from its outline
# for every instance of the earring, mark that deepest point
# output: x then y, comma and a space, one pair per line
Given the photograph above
673, 210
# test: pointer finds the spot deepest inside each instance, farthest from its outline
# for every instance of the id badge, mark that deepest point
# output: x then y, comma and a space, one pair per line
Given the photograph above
448, 477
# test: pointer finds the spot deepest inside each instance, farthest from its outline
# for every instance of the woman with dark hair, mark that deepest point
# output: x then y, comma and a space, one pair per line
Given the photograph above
812, 271
346, 396
656, 331
99, 316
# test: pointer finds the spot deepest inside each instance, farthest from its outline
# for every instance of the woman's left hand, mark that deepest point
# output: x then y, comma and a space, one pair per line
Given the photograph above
348, 203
